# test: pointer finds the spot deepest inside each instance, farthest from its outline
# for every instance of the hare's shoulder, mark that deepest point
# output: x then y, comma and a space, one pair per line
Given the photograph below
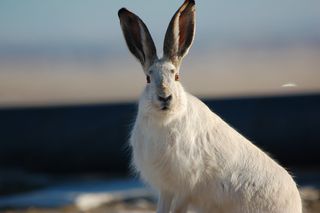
196, 105
201, 111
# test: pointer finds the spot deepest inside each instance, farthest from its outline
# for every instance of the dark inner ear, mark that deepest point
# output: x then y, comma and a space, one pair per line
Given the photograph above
132, 35
182, 36
186, 30
136, 35
138, 38
180, 32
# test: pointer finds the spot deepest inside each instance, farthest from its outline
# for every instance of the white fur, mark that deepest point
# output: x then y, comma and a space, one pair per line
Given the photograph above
198, 157
192, 156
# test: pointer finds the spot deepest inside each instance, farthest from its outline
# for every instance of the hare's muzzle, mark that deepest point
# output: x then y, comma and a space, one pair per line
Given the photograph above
165, 101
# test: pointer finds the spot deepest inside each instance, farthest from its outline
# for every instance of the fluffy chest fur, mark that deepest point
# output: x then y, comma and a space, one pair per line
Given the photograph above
165, 154
180, 153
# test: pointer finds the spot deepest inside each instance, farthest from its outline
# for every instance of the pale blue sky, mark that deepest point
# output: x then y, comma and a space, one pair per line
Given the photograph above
96, 21
66, 51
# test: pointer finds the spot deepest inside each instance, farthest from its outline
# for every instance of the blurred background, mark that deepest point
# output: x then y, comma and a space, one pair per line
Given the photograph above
69, 88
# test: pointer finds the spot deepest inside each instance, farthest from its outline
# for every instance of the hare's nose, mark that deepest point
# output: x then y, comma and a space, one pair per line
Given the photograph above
164, 86
165, 99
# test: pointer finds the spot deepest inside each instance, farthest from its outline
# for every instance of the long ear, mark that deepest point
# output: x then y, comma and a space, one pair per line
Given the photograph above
138, 38
180, 32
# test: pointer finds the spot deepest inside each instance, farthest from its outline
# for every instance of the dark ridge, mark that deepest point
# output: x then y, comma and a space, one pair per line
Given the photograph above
93, 138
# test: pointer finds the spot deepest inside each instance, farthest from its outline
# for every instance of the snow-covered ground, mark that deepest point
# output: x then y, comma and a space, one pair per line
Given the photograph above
84, 194
95, 195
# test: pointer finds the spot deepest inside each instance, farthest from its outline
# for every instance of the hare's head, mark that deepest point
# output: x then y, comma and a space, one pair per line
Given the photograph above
163, 90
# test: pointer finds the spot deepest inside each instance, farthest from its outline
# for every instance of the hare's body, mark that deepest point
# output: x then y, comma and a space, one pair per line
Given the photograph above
186, 151
199, 158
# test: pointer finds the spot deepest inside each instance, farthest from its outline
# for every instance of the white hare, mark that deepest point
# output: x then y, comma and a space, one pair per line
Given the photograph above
186, 151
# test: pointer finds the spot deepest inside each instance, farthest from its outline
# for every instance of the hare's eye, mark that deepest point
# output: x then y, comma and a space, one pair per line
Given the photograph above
172, 71
148, 79
176, 77
150, 72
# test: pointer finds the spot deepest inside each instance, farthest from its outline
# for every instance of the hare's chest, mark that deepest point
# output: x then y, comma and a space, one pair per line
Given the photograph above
151, 149
163, 157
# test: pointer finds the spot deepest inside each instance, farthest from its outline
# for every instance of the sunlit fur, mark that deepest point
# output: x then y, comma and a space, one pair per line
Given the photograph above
193, 155
189, 154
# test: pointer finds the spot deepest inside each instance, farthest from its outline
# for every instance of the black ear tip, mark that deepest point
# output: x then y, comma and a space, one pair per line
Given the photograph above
192, 2
121, 11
